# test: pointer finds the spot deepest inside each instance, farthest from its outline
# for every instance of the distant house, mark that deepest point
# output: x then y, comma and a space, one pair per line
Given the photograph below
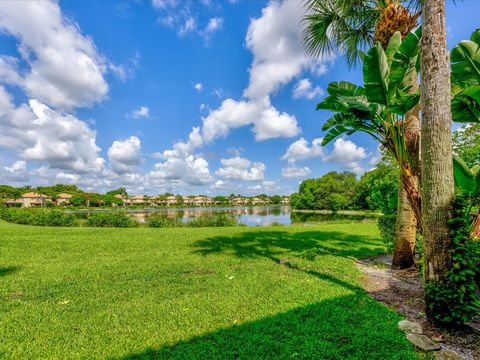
125, 200
285, 200
202, 200
187, 200
170, 200
257, 201
63, 199
139, 200
239, 201
34, 199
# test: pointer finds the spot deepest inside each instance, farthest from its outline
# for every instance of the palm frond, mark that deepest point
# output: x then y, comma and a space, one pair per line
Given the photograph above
345, 26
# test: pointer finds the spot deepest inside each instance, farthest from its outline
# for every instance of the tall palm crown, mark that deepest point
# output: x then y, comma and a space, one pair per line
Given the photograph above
352, 26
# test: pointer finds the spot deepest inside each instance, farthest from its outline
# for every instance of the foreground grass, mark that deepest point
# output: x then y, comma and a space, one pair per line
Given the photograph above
249, 293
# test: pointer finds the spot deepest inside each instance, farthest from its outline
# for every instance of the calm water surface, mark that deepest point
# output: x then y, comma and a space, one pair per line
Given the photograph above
248, 215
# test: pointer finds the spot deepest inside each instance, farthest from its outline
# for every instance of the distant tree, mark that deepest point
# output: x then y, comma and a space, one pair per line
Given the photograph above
9, 192
119, 191
378, 188
54, 190
276, 199
77, 200
179, 199
466, 144
110, 200
333, 191
220, 199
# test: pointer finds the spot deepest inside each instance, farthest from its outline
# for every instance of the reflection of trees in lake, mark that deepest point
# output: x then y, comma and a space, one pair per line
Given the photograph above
301, 217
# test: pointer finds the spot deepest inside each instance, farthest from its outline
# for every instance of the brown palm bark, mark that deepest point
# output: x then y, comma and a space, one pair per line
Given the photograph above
476, 226
408, 185
436, 145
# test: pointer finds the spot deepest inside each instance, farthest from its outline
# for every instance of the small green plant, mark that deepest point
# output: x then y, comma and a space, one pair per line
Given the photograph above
110, 219
386, 225
159, 221
455, 299
217, 220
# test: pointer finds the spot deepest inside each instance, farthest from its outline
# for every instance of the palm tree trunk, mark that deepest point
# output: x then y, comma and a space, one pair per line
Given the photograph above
406, 223
436, 145
476, 226
405, 232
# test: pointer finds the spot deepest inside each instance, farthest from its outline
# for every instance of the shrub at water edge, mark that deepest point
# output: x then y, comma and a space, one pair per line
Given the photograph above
110, 219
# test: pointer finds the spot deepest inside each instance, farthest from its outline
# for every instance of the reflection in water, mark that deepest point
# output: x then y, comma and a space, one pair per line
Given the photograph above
302, 217
247, 215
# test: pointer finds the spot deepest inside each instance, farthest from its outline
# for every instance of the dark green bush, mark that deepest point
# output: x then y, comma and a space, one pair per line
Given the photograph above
159, 221
386, 225
455, 299
217, 220
39, 217
110, 219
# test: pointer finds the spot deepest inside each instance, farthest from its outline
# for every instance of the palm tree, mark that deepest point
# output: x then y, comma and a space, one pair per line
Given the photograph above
437, 173
352, 26
379, 107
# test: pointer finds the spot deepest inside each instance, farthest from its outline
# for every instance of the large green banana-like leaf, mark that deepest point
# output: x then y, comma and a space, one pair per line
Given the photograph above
331, 103
463, 177
392, 47
404, 63
360, 106
344, 88
466, 104
403, 104
337, 90
344, 124
375, 73
337, 120
465, 59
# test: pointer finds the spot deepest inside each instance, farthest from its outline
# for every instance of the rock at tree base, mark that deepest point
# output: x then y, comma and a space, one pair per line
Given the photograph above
447, 355
423, 342
410, 327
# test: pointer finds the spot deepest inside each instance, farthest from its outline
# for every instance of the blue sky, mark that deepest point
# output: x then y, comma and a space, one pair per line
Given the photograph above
203, 96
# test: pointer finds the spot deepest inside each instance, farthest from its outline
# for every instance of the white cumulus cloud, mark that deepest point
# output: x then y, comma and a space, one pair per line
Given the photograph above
305, 89
348, 154
189, 170
142, 112
238, 168
301, 150
291, 172
65, 68
125, 155
36, 132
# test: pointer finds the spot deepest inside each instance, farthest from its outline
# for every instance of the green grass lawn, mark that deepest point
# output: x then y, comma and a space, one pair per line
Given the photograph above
207, 293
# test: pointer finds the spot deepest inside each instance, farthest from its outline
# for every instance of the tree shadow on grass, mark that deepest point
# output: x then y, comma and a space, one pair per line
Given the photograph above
7, 270
275, 245
349, 327
282, 247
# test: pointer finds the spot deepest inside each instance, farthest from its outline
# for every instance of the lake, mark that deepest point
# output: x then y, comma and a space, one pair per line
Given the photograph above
247, 215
